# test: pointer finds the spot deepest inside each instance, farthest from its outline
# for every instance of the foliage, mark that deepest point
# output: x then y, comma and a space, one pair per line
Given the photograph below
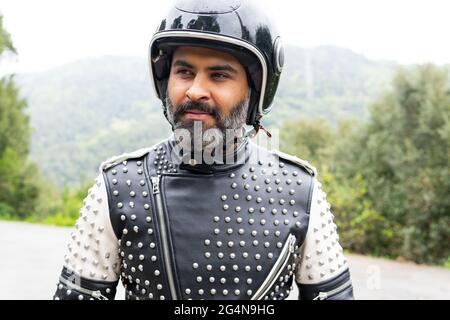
388, 179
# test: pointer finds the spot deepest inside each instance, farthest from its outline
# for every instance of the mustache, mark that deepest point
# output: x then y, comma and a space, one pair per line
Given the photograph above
199, 106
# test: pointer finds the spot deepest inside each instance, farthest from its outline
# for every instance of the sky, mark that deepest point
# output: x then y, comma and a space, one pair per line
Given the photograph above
49, 33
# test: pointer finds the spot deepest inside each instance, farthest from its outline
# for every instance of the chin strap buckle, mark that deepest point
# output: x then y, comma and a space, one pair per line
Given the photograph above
256, 127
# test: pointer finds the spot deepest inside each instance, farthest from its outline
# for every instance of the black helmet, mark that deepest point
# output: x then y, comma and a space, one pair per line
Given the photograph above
234, 26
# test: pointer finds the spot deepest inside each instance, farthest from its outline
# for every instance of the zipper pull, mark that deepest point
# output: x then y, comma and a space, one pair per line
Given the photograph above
98, 295
155, 185
292, 245
321, 296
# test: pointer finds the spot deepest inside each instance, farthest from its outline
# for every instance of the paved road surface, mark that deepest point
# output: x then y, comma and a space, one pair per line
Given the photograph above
32, 256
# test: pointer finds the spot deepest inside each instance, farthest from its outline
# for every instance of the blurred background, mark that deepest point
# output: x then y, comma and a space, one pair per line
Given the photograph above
364, 96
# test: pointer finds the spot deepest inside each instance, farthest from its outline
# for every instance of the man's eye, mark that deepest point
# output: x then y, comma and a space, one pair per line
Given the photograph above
184, 72
220, 75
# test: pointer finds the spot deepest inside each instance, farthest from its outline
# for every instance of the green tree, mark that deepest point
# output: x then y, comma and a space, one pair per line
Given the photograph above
18, 189
406, 160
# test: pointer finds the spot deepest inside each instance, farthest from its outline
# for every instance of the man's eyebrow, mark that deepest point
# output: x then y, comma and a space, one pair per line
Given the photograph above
182, 63
224, 67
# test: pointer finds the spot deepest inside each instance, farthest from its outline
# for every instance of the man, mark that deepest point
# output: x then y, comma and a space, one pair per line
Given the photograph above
208, 214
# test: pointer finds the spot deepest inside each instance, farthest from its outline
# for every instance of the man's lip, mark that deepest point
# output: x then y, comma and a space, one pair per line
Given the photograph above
196, 116
197, 112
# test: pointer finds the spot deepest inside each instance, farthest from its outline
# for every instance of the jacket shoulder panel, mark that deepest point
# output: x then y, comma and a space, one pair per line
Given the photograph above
114, 160
296, 160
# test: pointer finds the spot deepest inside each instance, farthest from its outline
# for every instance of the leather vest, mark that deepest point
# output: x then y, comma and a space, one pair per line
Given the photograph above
227, 231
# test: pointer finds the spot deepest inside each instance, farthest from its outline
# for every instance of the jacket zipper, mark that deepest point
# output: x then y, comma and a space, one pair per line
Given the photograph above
325, 295
164, 236
276, 270
95, 294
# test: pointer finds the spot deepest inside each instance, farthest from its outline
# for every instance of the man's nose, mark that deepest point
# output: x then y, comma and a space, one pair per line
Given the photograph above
198, 91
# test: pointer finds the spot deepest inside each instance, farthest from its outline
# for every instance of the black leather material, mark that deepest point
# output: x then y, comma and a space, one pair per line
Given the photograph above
226, 224
311, 291
68, 291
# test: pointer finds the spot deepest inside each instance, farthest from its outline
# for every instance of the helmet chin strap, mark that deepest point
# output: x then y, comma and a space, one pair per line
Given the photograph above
254, 131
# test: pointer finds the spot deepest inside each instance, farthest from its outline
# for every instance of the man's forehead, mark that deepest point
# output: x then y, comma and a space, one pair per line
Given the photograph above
206, 54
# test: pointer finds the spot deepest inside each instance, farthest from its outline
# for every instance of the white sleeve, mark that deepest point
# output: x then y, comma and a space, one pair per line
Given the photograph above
320, 257
93, 247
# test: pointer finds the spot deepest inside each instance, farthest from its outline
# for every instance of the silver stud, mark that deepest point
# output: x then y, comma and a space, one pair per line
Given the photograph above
251, 210
209, 267
223, 280
230, 244
263, 222
274, 211
195, 265
245, 255
216, 219
276, 222
270, 255
148, 219
257, 188
255, 242
262, 210
119, 205
213, 291
116, 193
258, 200
152, 245
266, 232
232, 175
251, 221
153, 258
298, 224
230, 231
238, 209
136, 229
219, 244
114, 181
254, 233
242, 243
216, 231
225, 207
258, 268
239, 220
222, 268
207, 242
234, 185
133, 217
146, 206
257, 256
211, 279
249, 197
286, 221
122, 217
207, 254
241, 231
224, 198
144, 193
199, 279
225, 292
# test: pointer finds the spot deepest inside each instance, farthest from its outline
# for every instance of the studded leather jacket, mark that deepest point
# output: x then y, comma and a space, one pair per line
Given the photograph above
170, 230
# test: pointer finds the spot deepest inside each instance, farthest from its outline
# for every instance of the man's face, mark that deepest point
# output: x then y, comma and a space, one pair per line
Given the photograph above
209, 86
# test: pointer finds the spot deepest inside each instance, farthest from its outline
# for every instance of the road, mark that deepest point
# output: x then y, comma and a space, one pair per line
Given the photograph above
32, 256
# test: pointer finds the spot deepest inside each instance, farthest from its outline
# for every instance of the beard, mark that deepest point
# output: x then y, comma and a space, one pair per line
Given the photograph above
214, 141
